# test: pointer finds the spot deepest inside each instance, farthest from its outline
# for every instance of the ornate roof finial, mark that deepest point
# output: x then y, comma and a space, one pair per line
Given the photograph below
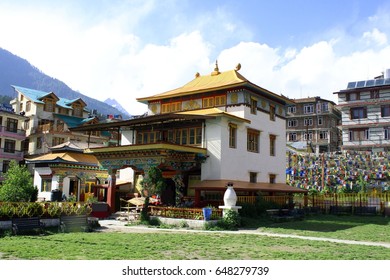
216, 66
197, 75
216, 70
238, 67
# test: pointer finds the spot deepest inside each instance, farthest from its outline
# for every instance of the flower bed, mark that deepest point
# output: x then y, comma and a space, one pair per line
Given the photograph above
183, 213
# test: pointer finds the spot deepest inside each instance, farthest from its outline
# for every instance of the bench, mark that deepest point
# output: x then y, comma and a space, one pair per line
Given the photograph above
340, 210
365, 210
74, 223
283, 215
27, 225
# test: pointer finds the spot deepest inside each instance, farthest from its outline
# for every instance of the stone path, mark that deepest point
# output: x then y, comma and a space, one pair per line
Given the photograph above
112, 225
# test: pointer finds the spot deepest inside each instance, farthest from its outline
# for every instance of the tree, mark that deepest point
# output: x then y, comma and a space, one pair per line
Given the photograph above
153, 183
18, 185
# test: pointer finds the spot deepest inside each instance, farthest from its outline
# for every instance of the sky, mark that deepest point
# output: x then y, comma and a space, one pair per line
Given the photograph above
126, 49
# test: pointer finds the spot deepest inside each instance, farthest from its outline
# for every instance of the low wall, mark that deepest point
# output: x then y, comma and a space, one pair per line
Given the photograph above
179, 222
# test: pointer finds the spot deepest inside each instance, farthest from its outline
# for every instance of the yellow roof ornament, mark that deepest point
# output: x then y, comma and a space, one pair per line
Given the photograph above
216, 70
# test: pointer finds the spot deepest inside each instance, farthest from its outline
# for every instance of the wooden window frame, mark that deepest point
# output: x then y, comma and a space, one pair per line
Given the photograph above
253, 141
232, 136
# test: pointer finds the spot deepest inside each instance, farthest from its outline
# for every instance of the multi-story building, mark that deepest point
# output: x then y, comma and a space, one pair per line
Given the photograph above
312, 125
365, 111
217, 129
49, 120
12, 136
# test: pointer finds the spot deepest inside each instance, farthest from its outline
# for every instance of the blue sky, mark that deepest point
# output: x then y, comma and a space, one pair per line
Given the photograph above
130, 49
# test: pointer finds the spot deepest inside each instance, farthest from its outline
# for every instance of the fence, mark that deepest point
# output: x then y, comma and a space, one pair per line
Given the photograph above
326, 201
183, 213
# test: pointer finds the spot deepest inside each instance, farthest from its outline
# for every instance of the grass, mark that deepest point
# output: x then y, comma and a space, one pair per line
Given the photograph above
360, 228
212, 245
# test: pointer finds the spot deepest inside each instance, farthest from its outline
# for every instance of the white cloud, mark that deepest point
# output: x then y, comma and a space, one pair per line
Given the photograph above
375, 37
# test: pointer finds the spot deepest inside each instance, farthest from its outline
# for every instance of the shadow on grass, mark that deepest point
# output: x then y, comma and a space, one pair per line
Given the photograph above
318, 223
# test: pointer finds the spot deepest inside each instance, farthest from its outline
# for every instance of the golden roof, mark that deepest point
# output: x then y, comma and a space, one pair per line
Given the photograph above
213, 112
212, 82
67, 157
216, 80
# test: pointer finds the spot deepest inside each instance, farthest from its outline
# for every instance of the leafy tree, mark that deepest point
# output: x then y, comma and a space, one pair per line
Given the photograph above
153, 183
18, 185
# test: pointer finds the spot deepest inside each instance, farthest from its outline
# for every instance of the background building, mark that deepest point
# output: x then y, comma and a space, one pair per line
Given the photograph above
12, 137
365, 110
312, 125
49, 118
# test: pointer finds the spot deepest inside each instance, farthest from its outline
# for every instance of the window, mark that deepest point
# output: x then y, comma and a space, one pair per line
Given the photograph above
46, 185
253, 177
28, 106
57, 141
353, 96
308, 109
320, 121
308, 136
323, 135
272, 141
232, 136
386, 131
6, 164
272, 178
9, 146
358, 113
292, 109
165, 108
359, 134
325, 107
253, 106
308, 122
253, 140
292, 123
39, 142
272, 112
385, 111
208, 102
63, 111
175, 106
49, 105
374, 94
148, 137
195, 137
292, 137
77, 110
220, 100
12, 125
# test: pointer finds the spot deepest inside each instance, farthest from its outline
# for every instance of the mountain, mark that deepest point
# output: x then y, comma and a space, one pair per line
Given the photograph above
112, 102
18, 71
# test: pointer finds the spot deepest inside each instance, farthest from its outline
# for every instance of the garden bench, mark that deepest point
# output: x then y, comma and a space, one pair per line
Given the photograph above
340, 210
27, 225
365, 210
74, 223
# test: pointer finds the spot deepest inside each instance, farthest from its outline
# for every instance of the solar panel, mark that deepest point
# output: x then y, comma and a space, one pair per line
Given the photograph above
351, 85
379, 82
387, 81
370, 83
360, 84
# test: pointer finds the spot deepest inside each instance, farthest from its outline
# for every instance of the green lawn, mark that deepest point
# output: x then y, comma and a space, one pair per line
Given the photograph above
211, 245
361, 228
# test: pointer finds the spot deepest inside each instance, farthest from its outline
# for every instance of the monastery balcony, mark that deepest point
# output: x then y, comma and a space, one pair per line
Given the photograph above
11, 154
18, 134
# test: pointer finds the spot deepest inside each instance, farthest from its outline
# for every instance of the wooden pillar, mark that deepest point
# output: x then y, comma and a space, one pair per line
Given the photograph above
197, 198
111, 191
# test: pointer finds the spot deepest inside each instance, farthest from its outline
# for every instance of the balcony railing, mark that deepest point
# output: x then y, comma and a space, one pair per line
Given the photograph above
11, 154
12, 133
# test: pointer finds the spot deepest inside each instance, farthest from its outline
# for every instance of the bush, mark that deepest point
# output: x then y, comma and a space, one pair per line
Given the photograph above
18, 185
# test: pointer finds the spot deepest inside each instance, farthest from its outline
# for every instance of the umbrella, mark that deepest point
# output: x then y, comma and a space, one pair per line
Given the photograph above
138, 201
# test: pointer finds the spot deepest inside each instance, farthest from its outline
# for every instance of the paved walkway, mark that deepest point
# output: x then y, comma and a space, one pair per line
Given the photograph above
112, 225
